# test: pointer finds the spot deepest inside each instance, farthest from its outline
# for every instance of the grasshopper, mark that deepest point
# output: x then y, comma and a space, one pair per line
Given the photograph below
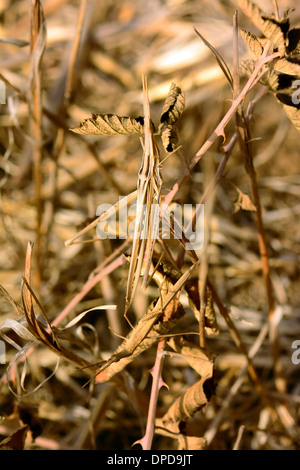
147, 207
147, 194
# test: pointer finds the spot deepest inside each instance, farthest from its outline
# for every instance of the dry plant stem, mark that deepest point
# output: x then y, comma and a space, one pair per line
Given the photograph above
261, 231
276, 11
146, 441
203, 269
239, 437
239, 343
244, 139
28, 272
38, 33
236, 76
217, 421
60, 138
233, 330
219, 130
74, 52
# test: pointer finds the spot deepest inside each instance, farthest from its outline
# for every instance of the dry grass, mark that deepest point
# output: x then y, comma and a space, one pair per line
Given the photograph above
52, 180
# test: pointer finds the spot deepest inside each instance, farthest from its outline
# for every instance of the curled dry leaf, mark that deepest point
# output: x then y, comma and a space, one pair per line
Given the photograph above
173, 106
185, 406
171, 112
253, 12
42, 329
192, 289
275, 31
281, 73
168, 137
197, 358
111, 124
196, 396
159, 319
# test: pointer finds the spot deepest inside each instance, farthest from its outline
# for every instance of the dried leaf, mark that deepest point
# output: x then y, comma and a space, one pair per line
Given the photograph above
196, 396
253, 12
168, 137
148, 330
221, 62
16, 440
292, 112
19, 330
171, 112
246, 67
197, 358
110, 124
243, 202
42, 329
35, 326
253, 44
173, 106
38, 44
275, 31
184, 407
211, 324
287, 66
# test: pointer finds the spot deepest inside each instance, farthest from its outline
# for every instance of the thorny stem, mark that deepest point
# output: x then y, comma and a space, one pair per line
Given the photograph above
146, 441
219, 130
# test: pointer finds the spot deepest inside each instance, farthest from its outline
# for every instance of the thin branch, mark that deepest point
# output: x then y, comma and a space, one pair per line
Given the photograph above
146, 441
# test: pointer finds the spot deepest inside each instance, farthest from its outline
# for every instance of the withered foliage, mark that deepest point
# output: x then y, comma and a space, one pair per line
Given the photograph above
283, 71
110, 124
